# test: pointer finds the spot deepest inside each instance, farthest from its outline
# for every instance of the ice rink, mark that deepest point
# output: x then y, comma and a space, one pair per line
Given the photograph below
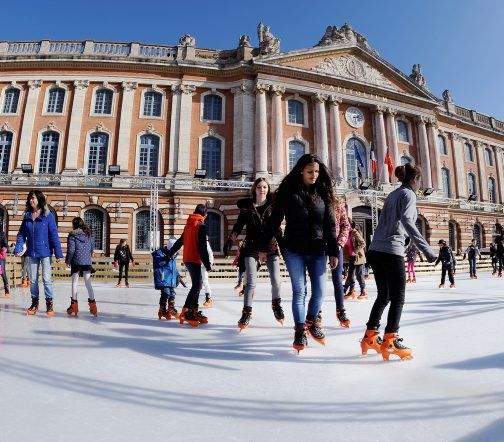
128, 376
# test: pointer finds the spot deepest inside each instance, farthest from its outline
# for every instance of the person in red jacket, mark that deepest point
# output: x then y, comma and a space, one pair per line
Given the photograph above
194, 241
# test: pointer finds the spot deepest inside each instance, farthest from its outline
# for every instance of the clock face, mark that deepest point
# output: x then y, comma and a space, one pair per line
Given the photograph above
354, 117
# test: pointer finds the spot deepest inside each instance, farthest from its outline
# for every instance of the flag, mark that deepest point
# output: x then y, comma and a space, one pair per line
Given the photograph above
373, 160
389, 163
358, 158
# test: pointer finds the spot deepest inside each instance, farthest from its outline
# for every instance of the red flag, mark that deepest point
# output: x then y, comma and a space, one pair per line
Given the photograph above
389, 163
372, 155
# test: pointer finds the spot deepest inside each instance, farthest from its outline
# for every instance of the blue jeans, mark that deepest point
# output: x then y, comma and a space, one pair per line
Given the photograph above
34, 267
472, 266
337, 279
297, 265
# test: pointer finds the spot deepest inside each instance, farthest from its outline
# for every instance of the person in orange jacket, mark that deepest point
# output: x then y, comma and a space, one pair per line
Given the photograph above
194, 241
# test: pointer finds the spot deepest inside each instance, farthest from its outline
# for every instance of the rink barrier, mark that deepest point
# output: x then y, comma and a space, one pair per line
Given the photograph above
142, 270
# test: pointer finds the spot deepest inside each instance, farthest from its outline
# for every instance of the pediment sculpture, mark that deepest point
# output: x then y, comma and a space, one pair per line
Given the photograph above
349, 66
417, 76
344, 35
268, 43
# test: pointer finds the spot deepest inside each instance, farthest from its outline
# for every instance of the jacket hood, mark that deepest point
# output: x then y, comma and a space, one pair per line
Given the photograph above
194, 219
45, 212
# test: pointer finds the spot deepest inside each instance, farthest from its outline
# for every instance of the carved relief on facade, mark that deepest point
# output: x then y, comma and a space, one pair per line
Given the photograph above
349, 66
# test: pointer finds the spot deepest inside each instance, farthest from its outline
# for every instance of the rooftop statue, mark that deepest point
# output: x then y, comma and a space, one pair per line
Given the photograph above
268, 43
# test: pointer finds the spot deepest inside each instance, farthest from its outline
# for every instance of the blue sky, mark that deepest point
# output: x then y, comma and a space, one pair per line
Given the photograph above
457, 42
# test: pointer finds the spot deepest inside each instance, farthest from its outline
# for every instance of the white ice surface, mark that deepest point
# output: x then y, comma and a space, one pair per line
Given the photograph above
127, 376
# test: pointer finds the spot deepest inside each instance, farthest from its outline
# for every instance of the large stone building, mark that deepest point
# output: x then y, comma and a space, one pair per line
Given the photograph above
72, 109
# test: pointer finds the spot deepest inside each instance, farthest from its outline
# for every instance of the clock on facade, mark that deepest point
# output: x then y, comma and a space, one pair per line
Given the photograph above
354, 117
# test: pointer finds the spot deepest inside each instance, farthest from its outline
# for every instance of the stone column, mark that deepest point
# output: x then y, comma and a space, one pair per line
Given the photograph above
184, 140
338, 172
381, 147
423, 146
499, 166
390, 122
480, 161
243, 130
261, 135
322, 147
74, 128
124, 138
28, 121
432, 134
277, 145
460, 170
174, 131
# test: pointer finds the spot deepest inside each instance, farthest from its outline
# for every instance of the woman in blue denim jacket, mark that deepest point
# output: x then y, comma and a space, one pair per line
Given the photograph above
39, 232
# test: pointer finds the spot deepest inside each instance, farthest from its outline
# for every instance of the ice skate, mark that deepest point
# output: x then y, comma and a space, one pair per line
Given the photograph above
73, 310
392, 345
300, 340
319, 319
162, 312
441, 286
92, 307
342, 318
7, 295
200, 317
315, 331
33, 309
278, 310
413, 280
245, 318
371, 340
208, 301
49, 307
189, 316
24, 283
351, 296
172, 312
363, 296
408, 280
452, 286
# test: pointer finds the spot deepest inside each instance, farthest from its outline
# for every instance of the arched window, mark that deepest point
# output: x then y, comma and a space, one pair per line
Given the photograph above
492, 190
11, 101
356, 160
471, 184
56, 100
103, 101
211, 157
48, 152
443, 150
488, 157
98, 151
95, 219
148, 155
405, 159
212, 107
402, 131
453, 235
468, 149
152, 104
5, 151
445, 182
142, 241
213, 224
478, 235
296, 151
296, 112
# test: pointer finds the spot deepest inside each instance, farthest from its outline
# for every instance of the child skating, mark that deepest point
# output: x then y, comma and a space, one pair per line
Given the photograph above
166, 279
472, 252
411, 255
448, 263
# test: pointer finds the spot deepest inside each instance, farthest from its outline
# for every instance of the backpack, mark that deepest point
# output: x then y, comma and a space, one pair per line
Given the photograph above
165, 270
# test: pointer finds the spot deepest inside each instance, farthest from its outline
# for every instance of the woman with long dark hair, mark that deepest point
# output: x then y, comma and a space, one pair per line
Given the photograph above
386, 257
39, 232
78, 258
122, 258
305, 199
255, 213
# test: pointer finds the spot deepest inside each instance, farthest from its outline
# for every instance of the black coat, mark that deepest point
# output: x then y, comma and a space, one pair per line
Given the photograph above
254, 220
446, 258
124, 257
310, 227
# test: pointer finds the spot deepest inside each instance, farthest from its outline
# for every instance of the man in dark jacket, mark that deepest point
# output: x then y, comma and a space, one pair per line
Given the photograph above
471, 252
448, 263
194, 240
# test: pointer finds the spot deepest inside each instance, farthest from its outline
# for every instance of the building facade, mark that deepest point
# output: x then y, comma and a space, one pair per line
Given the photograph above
72, 109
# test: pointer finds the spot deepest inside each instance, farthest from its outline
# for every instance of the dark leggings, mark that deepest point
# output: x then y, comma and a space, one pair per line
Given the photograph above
196, 284
391, 283
448, 270
123, 266
4, 276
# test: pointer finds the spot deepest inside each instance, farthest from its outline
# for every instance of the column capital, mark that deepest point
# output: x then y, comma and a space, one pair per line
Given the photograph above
432, 121
334, 99
421, 119
262, 88
278, 90
391, 111
188, 89
129, 85
34, 84
244, 88
320, 97
379, 109
81, 84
